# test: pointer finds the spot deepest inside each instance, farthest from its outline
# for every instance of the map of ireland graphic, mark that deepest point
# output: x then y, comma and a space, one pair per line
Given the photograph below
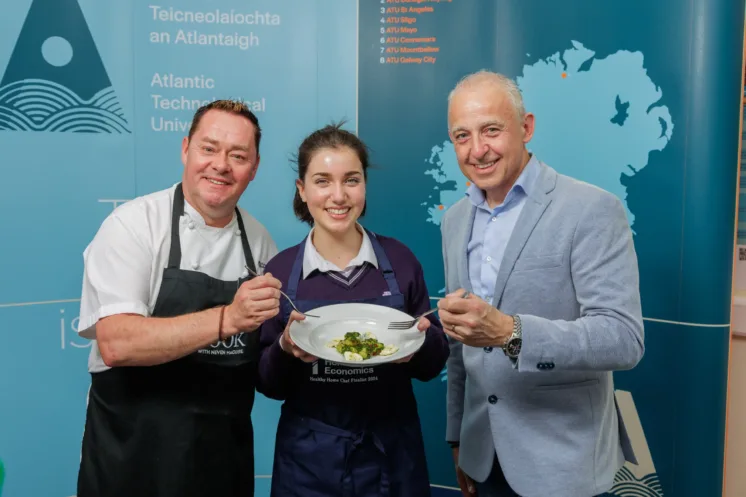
55, 79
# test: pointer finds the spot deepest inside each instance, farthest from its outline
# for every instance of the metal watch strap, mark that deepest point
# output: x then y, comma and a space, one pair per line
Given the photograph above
516, 336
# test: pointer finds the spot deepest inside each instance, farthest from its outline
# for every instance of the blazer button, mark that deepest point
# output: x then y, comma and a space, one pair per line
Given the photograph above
488, 349
540, 365
492, 399
550, 365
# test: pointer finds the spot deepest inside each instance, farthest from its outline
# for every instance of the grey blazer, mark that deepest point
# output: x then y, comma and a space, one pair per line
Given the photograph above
570, 273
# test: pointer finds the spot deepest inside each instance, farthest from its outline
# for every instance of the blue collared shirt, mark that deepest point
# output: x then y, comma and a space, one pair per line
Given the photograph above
492, 229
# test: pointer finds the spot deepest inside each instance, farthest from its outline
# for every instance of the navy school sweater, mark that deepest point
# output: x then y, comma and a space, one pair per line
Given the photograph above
332, 393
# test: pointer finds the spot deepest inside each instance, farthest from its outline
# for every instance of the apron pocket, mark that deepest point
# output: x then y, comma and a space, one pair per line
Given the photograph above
308, 463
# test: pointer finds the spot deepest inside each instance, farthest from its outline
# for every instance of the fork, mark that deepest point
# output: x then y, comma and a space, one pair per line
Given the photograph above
284, 295
405, 325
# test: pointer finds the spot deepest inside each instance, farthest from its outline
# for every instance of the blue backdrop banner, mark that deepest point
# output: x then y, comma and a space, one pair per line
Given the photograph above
95, 98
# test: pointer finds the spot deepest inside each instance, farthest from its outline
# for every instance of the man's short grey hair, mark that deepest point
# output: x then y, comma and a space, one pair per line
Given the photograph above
485, 77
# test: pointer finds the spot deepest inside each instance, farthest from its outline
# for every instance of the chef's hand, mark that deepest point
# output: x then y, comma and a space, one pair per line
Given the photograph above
256, 301
422, 325
287, 344
474, 322
466, 484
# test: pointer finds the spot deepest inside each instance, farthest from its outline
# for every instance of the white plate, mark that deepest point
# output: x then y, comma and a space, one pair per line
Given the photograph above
313, 334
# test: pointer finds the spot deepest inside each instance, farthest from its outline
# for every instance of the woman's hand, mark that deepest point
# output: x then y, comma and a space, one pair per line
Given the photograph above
287, 344
422, 325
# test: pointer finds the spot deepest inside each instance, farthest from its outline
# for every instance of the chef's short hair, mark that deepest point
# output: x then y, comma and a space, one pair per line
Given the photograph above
236, 107
330, 136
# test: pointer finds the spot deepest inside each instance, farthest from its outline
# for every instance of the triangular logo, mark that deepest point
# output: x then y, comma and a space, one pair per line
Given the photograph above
56, 80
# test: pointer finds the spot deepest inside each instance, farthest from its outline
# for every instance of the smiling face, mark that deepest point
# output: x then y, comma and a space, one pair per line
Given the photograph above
220, 160
333, 188
489, 138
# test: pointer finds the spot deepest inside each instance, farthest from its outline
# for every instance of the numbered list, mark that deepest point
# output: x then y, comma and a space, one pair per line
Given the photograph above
403, 39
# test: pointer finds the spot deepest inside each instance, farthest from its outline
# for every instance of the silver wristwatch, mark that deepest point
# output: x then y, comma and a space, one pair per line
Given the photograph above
512, 347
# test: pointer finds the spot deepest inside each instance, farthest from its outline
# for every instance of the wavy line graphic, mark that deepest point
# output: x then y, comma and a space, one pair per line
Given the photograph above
41, 105
627, 485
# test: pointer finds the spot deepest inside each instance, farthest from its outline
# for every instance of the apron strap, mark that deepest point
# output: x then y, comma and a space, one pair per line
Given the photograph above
294, 279
384, 264
174, 256
245, 242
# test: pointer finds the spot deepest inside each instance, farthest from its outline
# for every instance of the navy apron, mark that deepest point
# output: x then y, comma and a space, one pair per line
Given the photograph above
350, 431
183, 428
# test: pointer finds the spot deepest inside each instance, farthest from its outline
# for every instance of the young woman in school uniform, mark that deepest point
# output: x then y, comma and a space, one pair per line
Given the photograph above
361, 437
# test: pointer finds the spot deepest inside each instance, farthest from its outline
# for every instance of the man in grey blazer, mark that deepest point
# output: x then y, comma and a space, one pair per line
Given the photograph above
553, 308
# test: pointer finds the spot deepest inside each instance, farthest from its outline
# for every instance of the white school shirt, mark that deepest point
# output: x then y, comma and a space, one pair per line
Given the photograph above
312, 260
123, 265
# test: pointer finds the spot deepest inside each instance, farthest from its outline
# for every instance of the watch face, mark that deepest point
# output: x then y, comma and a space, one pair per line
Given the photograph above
513, 347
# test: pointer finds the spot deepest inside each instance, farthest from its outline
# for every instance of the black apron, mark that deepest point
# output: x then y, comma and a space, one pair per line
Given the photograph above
180, 429
350, 432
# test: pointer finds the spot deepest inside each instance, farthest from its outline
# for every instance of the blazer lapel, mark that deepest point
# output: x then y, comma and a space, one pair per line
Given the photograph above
535, 205
463, 234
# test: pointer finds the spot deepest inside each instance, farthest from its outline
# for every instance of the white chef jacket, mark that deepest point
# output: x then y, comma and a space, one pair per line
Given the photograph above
123, 265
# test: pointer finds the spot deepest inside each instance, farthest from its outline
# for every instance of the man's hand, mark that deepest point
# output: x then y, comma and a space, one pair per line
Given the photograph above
287, 344
474, 322
256, 301
465, 483
422, 325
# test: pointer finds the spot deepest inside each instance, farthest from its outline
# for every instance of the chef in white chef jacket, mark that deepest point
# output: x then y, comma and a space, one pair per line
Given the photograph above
173, 293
